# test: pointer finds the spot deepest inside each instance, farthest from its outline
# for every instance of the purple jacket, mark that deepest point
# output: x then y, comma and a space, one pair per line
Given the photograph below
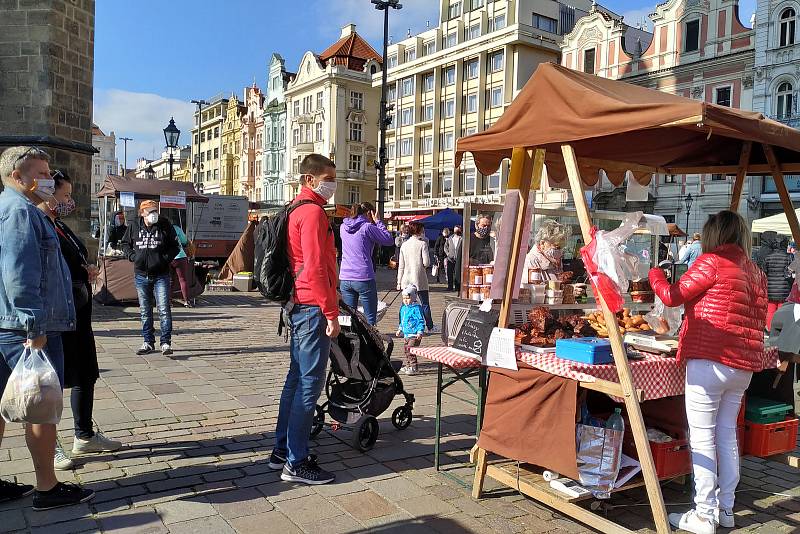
359, 237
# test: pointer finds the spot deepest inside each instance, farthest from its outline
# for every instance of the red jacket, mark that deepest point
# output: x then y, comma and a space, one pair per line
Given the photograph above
312, 255
725, 297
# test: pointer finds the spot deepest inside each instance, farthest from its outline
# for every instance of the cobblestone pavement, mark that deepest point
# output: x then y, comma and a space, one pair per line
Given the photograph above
198, 429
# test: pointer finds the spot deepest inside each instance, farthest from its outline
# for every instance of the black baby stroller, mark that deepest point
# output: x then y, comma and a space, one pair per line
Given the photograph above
362, 382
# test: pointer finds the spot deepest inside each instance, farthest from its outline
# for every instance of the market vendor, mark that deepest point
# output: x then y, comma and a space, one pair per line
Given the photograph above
778, 384
546, 253
117, 230
480, 244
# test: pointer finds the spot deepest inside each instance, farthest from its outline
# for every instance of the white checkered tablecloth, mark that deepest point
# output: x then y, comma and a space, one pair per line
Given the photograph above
446, 356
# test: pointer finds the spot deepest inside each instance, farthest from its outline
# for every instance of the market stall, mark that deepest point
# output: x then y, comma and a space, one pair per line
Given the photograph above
579, 125
115, 282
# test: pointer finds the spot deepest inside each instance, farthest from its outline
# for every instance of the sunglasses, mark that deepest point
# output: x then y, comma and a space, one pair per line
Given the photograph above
32, 150
56, 174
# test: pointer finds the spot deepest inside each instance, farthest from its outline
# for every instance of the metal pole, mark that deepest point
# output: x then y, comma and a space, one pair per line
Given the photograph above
382, 150
125, 141
170, 164
688, 211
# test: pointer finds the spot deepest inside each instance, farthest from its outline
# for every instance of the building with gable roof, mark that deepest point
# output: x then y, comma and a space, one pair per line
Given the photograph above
274, 179
232, 146
252, 145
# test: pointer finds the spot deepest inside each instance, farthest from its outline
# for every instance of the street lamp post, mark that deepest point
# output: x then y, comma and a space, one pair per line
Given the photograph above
688, 201
198, 166
171, 135
384, 121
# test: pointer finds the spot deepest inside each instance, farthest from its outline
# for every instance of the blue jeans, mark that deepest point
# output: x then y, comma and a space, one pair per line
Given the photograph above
158, 288
308, 353
425, 300
364, 290
11, 350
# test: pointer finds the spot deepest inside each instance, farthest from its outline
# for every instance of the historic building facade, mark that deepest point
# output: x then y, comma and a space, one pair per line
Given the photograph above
332, 110
252, 145
698, 49
207, 145
274, 165
457, 79
158, 169
104, 162
232, 147
777, 79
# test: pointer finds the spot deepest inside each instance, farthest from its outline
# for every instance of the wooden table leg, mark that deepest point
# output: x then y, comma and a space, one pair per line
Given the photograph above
480, 473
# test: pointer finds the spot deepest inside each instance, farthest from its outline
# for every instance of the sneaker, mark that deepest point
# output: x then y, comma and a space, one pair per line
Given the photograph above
61, 461
724, 518
692, 522
62, 494
97, 443
277, 459
166, 349
11, 491
307, 472
434, 330
146, 348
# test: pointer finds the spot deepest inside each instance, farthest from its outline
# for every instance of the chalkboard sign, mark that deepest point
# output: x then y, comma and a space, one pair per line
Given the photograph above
473, 336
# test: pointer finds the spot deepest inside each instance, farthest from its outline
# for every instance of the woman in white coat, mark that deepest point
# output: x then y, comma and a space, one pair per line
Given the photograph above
412, 268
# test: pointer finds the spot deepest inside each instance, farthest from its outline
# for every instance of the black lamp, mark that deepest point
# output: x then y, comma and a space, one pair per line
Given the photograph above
688, 201
171, 135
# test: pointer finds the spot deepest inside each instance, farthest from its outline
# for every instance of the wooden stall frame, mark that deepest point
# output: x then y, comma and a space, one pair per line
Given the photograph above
525, 169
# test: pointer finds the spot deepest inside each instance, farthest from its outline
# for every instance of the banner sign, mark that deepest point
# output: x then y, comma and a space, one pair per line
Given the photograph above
173, 199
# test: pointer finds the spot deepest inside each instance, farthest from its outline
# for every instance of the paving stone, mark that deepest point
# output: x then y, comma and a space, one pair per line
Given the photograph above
84, 524
12, 520
426, 506
398, 488
238, 503
308, 509
184, 510
49, 517
206, 525
257, 524
133, 522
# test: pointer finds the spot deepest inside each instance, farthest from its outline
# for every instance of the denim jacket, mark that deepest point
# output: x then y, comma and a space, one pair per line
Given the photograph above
35, 284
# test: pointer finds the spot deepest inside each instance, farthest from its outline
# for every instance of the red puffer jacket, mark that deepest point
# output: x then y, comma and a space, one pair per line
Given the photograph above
725, 297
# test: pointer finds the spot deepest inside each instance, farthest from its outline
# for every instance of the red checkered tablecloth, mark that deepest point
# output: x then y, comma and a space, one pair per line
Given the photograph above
446, 356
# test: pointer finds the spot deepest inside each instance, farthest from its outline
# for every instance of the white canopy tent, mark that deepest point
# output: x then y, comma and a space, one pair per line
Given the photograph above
776, 223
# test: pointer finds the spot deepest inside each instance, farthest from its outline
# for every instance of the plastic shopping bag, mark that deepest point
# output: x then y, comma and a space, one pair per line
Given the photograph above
33, 393
435, 269
663, 319
598, 458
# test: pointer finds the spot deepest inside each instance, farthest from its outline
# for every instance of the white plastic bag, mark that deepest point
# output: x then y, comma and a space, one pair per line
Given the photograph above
33, 393
610, 256
663, 319
435, 269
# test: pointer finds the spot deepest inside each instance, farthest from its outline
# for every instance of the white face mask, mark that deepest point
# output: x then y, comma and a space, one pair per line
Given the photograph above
326, 190
152, 218
44, 188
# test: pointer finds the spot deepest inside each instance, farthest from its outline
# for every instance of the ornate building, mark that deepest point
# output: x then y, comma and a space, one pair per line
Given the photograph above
104, 162
698, 49
232, 147
207, 145
333, 110
252, 145
274, 165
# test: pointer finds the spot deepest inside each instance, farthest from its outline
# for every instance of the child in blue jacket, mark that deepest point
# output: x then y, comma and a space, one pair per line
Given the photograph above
412, 325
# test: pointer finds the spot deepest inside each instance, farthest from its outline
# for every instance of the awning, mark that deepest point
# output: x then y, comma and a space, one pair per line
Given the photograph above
147, 189
777, 223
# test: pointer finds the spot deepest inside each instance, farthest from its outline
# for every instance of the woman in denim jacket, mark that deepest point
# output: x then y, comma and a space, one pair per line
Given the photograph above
35, 306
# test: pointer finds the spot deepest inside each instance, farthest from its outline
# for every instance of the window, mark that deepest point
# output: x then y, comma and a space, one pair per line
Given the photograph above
355, 163
258, 141
216, 153
722, 96
296, 108
545, 23
428, 48
319, 100
447, 141
669, 178
468, 131
427, 144
446, 183
407, 186
493, 184
784, 101
295, 136
454, 10
353, 194
692, 36
406, 146
307, 104
391, 93
390, 149
216, 132
496, 61
276, 83
718, 177
473, 32
391, 190
109, 169
208, 176
468, 181
407, 87
449, 76
496, 97
449, 40
472, 103
392, 61
426, 185
355, 131
427, 82
97, 168
475, 4
202, 137
498, 22
449, 108
471, 69
407, 116
195, 139
427, 112
318, 133
787, 22
208, 155
588, 61
411, 54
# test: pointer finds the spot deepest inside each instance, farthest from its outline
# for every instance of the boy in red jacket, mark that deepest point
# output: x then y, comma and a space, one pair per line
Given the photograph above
313, 319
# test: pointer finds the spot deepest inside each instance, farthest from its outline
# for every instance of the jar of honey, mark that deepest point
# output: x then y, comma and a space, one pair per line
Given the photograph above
475, 273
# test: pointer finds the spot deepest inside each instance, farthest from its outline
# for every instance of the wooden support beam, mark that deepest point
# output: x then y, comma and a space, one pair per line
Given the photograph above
610, 388
741, 174
783, 193
480, 473
621, 360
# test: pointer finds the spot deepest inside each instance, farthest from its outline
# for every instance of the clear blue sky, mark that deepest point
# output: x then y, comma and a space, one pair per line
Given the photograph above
152, 56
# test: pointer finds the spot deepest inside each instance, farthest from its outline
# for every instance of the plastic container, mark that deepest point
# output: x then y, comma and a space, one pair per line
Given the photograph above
672, 459
535, 275
475, 273
524, 295
772, 438
764, 411
555, 293
474, 293
591, 350
486, 292
243, 281
488, 273
553, 284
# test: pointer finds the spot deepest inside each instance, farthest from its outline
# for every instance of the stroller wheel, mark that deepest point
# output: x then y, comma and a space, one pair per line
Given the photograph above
365, 433
401, 417
319, 422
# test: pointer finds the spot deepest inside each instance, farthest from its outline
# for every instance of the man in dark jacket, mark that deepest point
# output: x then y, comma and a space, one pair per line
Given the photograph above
440, 255
151, 244
774, 261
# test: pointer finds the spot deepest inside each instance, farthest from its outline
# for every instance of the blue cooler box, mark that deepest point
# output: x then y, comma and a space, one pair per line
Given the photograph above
589, 350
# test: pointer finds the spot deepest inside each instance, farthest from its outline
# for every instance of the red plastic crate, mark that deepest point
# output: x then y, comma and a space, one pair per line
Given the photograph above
772, 438
671, 459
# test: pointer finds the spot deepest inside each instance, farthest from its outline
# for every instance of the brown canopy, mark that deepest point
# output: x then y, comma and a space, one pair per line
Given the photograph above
243, 256
147, 189
617, 126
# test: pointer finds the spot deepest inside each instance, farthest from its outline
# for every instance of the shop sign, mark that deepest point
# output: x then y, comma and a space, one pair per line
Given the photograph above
451, 202
173, 199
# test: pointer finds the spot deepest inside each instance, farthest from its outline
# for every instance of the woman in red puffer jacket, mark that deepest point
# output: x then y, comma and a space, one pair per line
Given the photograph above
722, 343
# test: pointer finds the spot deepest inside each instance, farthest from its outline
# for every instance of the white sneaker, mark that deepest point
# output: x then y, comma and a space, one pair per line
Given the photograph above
97, 443
409, 370
166, 349
724, 518
62, 462
146, 348
692, 522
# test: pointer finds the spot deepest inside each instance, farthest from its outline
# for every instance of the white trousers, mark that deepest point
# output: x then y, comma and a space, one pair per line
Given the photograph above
713, 396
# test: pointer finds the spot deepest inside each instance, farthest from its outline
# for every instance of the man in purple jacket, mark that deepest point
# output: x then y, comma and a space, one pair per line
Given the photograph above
360, 233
